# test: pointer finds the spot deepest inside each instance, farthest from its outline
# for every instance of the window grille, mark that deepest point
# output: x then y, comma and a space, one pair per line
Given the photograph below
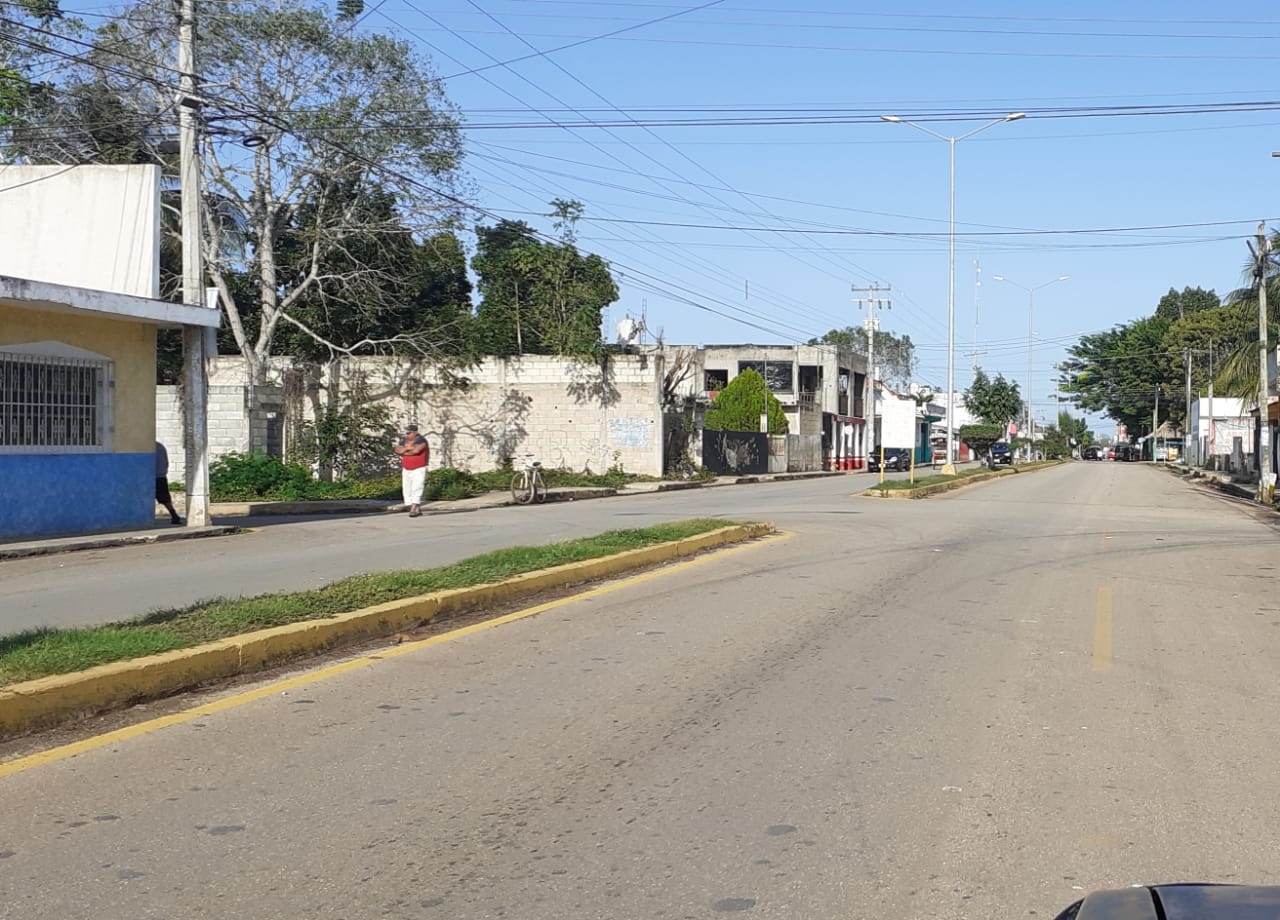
54, 403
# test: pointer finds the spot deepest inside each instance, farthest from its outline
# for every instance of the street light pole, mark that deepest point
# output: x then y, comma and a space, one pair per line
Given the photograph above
1031, 309
951, 269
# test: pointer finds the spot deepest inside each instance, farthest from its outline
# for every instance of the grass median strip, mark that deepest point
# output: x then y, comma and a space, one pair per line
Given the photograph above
40, 653
895, 485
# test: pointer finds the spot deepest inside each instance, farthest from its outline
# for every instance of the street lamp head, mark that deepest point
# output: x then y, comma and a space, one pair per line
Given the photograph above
998, 277
1063, 277
1015, 116
893, 118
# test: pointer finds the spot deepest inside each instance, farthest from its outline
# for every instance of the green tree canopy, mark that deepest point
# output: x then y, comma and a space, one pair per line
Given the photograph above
324, 146
895, 356
539, 296
1122, 372
740, 403
996, 402
1177, 305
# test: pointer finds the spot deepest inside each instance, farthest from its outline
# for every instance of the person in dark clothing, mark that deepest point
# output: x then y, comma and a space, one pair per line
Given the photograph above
162, 484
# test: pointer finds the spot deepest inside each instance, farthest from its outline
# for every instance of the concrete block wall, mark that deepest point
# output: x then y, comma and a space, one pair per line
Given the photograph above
228, 424
567, 414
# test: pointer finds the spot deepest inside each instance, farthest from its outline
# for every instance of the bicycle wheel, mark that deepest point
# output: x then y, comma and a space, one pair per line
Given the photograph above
522, 488
539, 487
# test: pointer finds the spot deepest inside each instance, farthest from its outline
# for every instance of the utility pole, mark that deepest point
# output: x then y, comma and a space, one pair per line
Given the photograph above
195, 379
871, 297
1155, 423
1265, 485
1186, 419
1210, 464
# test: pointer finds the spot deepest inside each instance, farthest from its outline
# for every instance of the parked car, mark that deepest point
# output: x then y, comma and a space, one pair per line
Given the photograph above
1092, 452
1001, 455
895, 458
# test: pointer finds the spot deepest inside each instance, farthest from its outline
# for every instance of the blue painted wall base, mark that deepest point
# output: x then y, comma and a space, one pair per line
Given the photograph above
47, 495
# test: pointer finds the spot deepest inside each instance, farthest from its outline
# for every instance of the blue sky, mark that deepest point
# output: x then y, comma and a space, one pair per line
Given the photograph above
754, 223
723, 216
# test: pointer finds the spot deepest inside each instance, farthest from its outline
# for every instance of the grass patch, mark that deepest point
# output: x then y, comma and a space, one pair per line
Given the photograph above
899, 485
39, 653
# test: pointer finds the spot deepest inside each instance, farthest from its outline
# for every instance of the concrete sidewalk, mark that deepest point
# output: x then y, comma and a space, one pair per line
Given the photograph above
232, 517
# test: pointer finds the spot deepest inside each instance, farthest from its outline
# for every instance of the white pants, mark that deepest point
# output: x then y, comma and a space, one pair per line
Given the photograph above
412, 482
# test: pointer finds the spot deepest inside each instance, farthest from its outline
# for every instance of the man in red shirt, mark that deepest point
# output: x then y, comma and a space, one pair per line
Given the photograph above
413, 451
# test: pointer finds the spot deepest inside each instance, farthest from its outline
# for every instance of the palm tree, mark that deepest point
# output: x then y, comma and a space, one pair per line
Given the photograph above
1238, 375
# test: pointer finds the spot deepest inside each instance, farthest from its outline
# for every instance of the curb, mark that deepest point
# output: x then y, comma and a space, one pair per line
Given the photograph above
57, 545
47, 701
1226, 486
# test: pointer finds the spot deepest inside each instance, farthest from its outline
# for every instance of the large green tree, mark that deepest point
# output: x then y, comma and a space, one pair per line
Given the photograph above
996, 402
540, 296
1136, 372
895, 355
1123, 373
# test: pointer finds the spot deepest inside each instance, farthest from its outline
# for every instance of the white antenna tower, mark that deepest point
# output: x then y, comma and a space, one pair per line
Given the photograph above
977, 289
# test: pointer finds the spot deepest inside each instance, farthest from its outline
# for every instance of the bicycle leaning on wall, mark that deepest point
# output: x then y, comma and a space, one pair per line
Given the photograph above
527, 485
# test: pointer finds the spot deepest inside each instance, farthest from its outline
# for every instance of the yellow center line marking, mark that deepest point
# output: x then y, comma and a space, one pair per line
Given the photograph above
74, 749
1102, 632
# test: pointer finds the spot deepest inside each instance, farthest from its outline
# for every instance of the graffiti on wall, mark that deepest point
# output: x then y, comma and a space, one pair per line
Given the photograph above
735, 452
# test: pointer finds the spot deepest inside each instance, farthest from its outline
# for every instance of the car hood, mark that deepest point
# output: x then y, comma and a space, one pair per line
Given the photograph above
1180, 902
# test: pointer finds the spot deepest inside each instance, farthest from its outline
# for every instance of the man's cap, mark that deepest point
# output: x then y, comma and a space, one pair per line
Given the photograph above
412, 426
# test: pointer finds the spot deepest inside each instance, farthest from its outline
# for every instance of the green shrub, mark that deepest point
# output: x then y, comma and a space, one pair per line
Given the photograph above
449, 484
738, 406
244, 477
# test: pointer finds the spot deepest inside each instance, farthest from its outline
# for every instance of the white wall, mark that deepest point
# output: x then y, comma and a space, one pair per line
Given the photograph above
566, 414
95, 227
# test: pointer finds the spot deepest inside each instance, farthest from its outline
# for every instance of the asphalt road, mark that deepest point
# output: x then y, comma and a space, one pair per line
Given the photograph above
290, 554
967, 707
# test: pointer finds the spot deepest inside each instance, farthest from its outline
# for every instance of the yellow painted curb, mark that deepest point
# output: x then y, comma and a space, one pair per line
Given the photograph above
49, 700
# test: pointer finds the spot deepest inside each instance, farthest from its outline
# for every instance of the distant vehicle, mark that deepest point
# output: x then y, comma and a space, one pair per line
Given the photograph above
1092, 452
1001, 454
895, 458
1128, 453
1111, 453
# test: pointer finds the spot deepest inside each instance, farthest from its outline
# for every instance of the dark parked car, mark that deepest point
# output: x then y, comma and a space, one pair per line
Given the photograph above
895, 458
1129, 453
1001, 454
1178, 902
1093, 452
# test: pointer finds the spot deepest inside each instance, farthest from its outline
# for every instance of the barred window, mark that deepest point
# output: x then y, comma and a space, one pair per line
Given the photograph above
53, 402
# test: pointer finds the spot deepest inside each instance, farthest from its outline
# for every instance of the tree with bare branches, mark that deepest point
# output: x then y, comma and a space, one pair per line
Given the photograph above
323, 146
